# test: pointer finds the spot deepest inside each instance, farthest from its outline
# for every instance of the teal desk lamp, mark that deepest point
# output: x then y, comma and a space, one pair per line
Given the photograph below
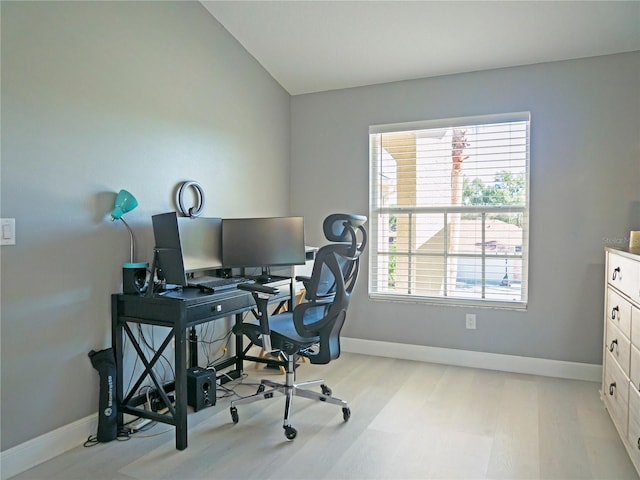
134, 275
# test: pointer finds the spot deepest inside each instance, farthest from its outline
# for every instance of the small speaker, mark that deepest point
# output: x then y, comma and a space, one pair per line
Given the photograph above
201, 388
134, 278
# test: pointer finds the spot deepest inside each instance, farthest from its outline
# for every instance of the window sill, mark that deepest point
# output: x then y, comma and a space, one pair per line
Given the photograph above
449, 302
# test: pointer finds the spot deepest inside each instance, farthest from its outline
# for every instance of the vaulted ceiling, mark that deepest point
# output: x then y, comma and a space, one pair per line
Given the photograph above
311, 46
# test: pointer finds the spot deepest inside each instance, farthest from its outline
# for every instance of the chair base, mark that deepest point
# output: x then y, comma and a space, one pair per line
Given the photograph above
267, 389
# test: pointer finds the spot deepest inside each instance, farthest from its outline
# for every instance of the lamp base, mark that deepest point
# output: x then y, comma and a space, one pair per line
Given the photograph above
134, 277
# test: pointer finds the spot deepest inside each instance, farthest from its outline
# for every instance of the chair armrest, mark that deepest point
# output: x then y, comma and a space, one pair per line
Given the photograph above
306, 285
313, 328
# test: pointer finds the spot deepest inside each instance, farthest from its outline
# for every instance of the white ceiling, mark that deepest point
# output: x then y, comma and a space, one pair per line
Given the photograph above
311, 46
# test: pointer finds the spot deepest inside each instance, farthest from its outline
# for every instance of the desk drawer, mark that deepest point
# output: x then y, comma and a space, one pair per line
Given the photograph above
228, 305
155, 310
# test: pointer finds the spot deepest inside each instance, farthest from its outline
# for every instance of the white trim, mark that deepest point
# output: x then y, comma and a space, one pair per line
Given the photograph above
40, 449
467, 358
449, 301
385, 182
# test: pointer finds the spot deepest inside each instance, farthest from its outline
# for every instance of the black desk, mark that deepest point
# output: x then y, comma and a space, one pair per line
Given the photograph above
178, 310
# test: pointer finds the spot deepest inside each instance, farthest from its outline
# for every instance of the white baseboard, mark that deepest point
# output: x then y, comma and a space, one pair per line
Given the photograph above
40, 449
35, 451
466, 358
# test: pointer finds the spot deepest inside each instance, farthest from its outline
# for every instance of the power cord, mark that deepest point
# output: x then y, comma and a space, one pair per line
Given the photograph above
92, 441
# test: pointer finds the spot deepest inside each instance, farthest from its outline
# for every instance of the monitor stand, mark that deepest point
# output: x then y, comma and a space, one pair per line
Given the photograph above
265, 276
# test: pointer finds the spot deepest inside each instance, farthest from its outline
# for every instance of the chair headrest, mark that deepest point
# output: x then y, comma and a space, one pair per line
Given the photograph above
335, 229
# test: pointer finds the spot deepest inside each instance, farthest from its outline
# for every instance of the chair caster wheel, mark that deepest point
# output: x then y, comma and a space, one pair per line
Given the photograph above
346, 413
290, 433
234, 414
325, 390
260, 389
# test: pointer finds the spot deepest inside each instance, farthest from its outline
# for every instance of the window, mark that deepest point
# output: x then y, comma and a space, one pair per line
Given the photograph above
449, 211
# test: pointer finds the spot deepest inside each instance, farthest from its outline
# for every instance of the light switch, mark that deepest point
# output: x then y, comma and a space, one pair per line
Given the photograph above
8, 231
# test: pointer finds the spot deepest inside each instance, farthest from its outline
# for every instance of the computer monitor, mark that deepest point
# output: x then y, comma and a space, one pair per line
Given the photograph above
186, 245
263, 242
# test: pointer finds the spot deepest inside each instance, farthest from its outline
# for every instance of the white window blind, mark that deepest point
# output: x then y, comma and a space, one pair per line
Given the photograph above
449, 210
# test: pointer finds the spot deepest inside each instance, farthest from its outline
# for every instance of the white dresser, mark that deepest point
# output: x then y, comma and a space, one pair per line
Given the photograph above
621, 356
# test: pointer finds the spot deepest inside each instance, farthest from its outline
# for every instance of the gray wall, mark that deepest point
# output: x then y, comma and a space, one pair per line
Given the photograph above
102, 96
97, 97
585, 177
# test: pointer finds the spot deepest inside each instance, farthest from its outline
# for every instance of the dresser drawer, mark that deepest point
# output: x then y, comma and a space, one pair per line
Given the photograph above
635, 326
618, 346
616, 393
624, 274
634, 368
618, 311
634, 426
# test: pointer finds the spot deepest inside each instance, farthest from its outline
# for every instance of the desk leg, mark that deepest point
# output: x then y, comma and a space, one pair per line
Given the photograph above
291, 304
181, 387
239, 347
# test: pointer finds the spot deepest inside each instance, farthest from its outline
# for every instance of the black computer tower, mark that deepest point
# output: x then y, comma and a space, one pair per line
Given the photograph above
201, 388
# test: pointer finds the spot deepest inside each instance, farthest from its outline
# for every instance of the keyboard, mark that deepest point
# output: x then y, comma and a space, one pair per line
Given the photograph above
218, 284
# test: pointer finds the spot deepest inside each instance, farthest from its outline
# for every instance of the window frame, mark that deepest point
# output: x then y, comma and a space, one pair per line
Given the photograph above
376, 212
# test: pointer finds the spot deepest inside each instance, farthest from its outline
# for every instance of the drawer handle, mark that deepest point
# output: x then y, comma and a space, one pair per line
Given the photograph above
614, 312
612, 389
616, 271
639, 443
613, 345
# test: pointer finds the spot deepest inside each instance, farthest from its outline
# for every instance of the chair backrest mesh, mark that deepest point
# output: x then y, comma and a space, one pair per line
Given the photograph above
333, 278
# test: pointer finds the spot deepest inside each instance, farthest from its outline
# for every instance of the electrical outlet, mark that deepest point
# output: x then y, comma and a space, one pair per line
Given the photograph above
471, 321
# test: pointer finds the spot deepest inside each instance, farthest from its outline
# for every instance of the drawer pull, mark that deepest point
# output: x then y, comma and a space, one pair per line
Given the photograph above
612, 389
639, 443
613, 345
614, 312
615, 273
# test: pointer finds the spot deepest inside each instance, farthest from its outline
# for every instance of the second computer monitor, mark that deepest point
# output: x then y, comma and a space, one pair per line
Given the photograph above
263, 242
186, 245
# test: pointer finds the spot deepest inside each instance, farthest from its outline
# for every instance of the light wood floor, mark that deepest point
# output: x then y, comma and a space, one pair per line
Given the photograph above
410, 420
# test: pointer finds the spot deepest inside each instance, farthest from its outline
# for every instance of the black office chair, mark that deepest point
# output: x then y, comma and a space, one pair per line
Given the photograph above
312, 329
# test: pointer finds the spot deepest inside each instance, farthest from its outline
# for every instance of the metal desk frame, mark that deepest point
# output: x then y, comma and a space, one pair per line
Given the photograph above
178, 310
